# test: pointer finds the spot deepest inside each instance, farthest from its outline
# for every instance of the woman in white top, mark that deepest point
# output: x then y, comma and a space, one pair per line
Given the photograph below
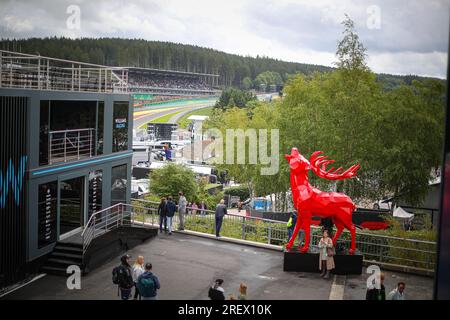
138, 269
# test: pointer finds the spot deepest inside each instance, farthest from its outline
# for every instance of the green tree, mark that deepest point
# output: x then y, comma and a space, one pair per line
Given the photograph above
247, 83
172, 178
234, 98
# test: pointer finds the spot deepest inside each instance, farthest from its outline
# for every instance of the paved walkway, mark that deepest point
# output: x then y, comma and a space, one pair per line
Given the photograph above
187, 266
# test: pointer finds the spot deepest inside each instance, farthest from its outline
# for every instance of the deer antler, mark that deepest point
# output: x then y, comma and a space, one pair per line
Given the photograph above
319, 163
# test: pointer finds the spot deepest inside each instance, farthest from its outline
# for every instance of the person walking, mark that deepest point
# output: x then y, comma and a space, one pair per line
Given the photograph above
181, 209
162, 212
326, 260
171, 208
398, 293
221, 211
216, 291
138, 269
148, 284
377, 294
122, 276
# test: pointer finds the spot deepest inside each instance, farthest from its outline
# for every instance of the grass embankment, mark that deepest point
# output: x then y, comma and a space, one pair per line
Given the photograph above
183, 122
163, 119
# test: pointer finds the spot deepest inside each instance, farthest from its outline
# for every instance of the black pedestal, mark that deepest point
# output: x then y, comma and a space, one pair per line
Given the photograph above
309, 262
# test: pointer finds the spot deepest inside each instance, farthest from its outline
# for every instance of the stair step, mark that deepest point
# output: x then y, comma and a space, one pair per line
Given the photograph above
67, 255
66, 262
60, 248
70, 244
54, 270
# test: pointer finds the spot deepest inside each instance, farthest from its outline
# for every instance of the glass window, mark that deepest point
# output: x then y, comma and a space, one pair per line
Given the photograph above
43, 132
95, 191
119, 184
100, 121
120, 126
47, 213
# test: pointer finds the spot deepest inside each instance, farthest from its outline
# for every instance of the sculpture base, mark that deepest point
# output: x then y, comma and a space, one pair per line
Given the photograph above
345, 264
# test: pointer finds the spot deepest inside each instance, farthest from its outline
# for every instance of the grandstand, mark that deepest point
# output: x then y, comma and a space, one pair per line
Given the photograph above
171, 83
18, 70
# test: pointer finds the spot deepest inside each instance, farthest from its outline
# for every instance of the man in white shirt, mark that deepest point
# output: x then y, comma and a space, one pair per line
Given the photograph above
181, 209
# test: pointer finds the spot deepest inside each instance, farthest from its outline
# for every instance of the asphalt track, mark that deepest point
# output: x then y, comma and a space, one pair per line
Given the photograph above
147, 114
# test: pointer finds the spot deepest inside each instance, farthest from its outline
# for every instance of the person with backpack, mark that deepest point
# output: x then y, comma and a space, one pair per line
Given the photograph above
122, 276
216, 291
148, 284
162, 212
171, 208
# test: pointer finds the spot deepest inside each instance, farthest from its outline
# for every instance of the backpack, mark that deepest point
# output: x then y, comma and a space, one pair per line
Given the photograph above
115, 275
146, 286
118, 277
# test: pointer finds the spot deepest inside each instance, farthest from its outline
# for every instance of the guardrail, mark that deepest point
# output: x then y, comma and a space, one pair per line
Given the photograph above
67, 145
384, 250
27, 71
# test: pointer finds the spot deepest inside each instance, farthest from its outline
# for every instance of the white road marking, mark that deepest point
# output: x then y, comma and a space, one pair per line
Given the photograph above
337, 288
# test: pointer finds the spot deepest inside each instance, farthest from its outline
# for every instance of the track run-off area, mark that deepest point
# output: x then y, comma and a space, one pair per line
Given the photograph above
178, 108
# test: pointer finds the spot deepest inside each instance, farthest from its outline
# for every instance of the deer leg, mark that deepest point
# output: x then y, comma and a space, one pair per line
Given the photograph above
353, 233
339, 228
307, 228
294, 234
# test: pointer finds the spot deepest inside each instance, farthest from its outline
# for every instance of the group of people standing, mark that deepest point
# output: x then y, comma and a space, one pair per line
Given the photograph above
138, 276
167, 209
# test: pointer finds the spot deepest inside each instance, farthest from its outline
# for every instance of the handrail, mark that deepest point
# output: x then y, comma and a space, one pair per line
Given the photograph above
284, 222
95, 214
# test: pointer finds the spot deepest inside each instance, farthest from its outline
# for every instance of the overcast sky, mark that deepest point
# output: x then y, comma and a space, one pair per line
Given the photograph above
402, 36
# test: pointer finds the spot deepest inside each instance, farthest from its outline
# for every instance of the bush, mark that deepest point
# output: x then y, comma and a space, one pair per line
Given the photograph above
239, 191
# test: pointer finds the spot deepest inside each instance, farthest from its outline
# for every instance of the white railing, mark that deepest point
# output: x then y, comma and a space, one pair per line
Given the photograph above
69, 145
26, 71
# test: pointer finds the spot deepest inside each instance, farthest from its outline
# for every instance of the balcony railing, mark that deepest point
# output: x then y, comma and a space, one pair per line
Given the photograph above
26, 71
70, 145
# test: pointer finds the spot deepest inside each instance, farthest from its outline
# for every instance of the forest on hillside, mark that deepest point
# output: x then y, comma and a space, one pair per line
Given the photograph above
234, 70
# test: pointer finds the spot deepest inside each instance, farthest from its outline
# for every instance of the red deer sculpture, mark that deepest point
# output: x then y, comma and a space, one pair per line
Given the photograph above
311, 201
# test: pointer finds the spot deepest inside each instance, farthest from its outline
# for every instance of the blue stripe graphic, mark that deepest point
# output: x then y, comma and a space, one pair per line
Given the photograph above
75, 165
11, 180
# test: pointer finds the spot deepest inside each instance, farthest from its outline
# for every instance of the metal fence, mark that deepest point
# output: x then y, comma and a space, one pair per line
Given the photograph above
411, 253
67, 145
26, 71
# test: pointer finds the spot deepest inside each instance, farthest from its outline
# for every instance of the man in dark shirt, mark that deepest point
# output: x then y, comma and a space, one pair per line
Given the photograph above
221, 211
